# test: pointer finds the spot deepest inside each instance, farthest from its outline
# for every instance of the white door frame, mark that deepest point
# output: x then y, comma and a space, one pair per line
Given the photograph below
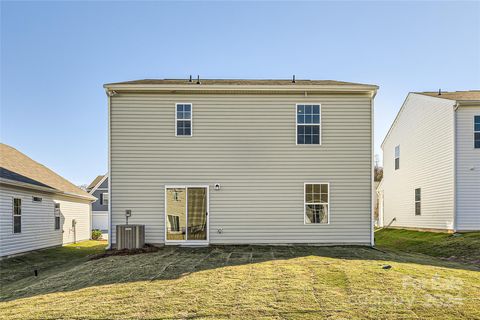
187, 242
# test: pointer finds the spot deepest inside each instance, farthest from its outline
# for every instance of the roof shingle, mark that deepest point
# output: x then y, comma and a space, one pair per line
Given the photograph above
32, 172
455, 95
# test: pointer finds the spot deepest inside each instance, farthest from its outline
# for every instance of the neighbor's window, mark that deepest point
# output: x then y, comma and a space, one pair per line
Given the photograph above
36, 199
476, 132
17, 215
316, 202
397, 157
56, 214
183, 119
418, 200
104, 199
308, 124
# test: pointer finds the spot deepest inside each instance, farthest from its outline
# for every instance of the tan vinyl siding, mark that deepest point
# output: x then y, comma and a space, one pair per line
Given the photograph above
79, 210
424, 132
468, 170
247, 144
38, 224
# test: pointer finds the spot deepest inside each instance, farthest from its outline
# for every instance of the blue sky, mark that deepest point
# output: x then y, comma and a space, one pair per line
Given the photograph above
55, 57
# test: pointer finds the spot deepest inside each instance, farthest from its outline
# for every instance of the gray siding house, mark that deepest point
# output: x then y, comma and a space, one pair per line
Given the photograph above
38, 208
99, 189
431, 176
242, 161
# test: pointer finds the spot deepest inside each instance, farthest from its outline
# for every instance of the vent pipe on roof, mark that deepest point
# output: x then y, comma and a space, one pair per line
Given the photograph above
198, 79
190, 80
293, 79
439, 92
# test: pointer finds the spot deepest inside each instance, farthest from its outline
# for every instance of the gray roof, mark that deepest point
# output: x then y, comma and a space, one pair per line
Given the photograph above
233, 82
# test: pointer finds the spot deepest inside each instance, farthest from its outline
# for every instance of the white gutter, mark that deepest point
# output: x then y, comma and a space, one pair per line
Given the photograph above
252, 88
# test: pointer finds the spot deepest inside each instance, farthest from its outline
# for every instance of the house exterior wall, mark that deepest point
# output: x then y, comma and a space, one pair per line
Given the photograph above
38, 222
96, 205
468, 171
72, 208
247, 144
424, 130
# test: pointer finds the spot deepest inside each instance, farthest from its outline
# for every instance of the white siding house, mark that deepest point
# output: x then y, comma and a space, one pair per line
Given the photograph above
431, 155
38, 208
242, 161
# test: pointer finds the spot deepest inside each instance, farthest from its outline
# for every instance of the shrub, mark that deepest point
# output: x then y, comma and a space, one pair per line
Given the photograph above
96, 234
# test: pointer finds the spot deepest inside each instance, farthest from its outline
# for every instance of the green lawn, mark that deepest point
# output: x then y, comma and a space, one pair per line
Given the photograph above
457, 247
244, 282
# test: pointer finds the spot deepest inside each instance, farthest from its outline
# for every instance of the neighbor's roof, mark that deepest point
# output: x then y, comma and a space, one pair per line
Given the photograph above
470, 95
95, 181
20, 168
239, 82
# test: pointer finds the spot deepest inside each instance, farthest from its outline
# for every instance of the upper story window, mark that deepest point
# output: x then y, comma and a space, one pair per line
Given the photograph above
308, 124
316, 200
183, 119
397, 157
104, 199
17, 215
476, 132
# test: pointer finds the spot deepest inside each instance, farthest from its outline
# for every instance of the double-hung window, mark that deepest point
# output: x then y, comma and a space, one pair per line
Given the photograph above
183, 119
316, 203
476, 132
397, 157
418, 202
308, 124
17, 215
56, 213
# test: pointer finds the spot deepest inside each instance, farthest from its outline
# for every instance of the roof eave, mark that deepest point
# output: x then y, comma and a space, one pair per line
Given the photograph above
258, 88
44, 189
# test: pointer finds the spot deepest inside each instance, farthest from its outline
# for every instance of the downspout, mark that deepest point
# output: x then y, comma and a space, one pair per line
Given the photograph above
372, 165
455, 108
109, 95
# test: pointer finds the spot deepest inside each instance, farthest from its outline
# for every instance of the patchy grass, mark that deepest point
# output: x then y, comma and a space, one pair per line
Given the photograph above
21, 268
459, 247
246, 282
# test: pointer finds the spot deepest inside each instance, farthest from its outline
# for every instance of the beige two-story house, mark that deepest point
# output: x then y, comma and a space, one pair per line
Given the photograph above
242, 161
431, 155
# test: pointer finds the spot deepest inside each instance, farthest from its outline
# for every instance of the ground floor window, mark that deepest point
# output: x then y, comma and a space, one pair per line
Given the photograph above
57, 216
316, 203
418, 201
17, 215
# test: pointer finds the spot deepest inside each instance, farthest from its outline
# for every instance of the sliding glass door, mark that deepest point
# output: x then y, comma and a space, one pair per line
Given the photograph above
186, 217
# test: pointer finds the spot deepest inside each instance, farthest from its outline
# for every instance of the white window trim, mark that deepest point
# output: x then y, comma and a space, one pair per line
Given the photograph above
395, 158
419, 201
186, 186
57, 214
16, 215
102, 197
191, 119
305, 204
308, 124
475, 131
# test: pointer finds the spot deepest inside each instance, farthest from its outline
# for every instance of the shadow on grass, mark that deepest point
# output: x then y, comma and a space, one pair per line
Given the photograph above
175, 262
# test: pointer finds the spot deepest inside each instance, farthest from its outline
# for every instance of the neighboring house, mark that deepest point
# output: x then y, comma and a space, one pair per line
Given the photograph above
99, 189
39, 209
242, 161
431, 156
